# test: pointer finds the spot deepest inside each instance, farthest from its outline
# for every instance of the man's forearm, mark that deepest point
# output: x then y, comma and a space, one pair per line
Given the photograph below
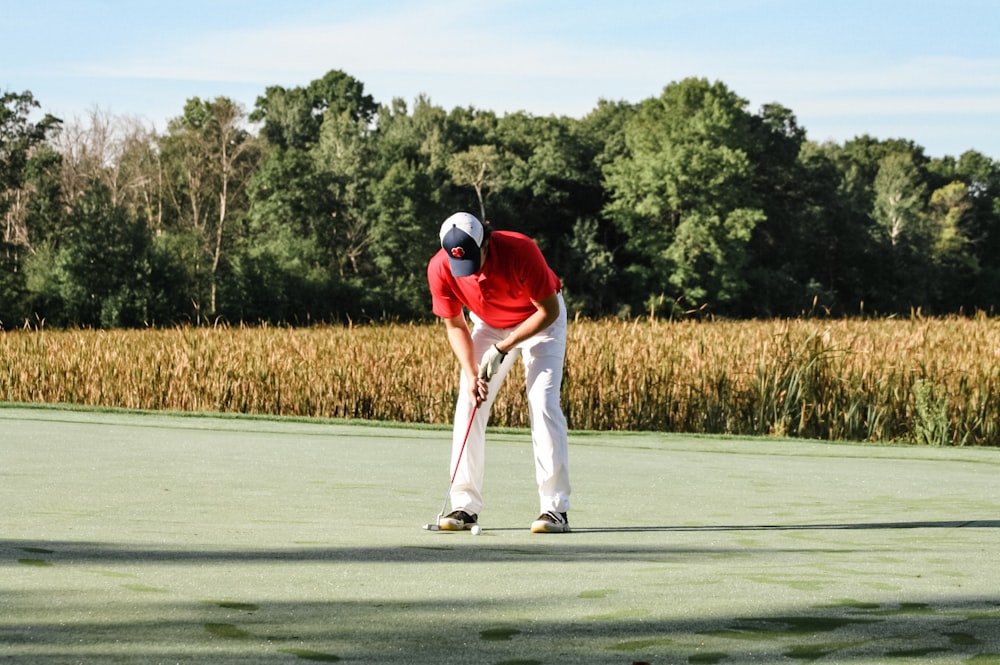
544, 316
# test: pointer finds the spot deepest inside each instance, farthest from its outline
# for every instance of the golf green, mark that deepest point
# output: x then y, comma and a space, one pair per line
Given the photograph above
168, 538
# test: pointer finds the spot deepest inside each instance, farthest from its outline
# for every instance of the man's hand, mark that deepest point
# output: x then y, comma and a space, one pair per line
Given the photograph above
490, 364
480, 391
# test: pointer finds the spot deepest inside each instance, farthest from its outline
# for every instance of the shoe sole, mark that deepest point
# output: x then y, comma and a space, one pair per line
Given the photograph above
549, 527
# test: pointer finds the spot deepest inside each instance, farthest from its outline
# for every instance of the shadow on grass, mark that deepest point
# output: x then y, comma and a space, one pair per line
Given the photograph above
117, 617
446, 630
439, 547
940, 524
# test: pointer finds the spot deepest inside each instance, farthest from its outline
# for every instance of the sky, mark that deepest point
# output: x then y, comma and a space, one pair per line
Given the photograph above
923, 70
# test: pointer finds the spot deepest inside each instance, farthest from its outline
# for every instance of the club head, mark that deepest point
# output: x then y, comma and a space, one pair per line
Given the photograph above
432, 527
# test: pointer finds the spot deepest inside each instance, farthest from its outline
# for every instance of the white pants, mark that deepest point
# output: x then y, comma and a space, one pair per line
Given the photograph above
543, 356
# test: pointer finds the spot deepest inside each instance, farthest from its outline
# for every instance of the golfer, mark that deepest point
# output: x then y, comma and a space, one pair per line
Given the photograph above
516, 307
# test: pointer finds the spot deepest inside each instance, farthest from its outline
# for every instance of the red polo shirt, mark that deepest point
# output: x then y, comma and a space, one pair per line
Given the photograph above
504, 292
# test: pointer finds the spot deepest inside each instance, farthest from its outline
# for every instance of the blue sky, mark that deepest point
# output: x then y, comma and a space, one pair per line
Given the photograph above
923, 70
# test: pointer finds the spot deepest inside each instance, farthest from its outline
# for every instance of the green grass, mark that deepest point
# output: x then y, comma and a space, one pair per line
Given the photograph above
148, 537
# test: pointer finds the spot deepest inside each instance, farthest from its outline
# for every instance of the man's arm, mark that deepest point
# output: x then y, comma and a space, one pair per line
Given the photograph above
460, 340
546, 313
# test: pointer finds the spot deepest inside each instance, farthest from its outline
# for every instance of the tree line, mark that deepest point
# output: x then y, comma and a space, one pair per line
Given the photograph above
322, 205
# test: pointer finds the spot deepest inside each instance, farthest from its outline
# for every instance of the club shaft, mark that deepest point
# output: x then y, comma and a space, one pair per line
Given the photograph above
454, 473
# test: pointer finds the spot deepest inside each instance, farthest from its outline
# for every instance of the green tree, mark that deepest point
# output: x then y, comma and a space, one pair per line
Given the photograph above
293, 118
344, 155
211, 156
102, 268
552, 191
481, 168
981, 224
949, 206
956, 267
46, 222
410, 190
785, 246
552, 178
18, 138
595, 241
833, 234
902, 233
20, 142
308, 224
863, 219
899, 201
590, 283
284, 267
683, 196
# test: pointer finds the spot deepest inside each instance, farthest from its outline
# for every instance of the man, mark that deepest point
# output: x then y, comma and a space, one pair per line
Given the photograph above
516, 307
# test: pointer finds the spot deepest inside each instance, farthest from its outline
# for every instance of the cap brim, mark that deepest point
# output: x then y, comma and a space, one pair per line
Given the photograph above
463, 267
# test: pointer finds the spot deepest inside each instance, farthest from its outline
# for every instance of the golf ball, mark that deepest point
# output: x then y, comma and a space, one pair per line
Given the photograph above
476, 529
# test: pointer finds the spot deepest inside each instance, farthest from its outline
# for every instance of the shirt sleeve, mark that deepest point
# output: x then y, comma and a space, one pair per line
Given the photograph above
444, 302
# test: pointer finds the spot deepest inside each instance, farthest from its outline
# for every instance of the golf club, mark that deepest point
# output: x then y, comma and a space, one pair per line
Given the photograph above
436, 526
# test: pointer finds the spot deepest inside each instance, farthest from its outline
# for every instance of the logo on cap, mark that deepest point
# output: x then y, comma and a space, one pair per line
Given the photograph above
458, 252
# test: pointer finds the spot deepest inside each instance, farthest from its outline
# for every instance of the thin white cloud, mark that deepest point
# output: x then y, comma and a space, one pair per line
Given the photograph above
414, 42
463, 53
911, 74
419, 43
955, 105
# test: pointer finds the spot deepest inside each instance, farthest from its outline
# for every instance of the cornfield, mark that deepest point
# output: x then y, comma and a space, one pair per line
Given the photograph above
923, 381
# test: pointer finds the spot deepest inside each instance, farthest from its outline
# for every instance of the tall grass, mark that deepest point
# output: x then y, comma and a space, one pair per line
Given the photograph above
926, 381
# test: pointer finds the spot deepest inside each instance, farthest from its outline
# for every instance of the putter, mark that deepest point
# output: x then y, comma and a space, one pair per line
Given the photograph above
436, 526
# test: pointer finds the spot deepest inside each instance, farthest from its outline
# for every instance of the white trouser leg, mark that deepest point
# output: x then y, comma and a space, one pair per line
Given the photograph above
543, 357
467, 490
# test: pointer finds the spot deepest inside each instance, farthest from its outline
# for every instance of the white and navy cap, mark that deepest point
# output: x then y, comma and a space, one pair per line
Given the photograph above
461, 237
